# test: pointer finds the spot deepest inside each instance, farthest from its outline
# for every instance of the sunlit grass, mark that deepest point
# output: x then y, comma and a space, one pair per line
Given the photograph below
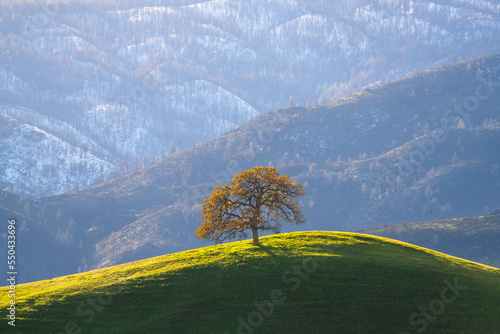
356, 283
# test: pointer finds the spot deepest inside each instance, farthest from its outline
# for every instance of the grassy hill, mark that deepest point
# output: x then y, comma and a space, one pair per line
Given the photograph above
303, 282
472, 238
381, 156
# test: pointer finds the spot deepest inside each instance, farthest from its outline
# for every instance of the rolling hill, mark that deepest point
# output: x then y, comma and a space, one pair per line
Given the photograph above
471, 238
417, 149
304, 282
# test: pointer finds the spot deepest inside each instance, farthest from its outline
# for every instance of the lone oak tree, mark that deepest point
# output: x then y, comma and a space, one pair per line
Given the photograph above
256, 199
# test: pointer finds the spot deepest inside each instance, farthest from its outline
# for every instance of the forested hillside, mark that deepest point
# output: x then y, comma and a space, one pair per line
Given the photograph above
94, 89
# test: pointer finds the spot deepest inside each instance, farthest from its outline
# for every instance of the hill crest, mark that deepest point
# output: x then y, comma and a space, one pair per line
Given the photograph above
377, 283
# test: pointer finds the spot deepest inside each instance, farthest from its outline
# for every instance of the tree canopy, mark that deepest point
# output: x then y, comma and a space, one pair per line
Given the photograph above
256, 199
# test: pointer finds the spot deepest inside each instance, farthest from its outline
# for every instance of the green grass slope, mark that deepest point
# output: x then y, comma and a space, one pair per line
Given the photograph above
471, 238
305, 282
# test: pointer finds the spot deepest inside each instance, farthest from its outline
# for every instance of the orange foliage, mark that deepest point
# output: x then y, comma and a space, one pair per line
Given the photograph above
256, 199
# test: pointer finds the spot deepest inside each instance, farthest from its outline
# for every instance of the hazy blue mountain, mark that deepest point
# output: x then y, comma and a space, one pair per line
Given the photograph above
94, 89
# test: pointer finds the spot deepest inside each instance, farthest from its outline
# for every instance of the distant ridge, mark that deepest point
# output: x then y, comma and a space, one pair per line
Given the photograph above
472, 238
125, 83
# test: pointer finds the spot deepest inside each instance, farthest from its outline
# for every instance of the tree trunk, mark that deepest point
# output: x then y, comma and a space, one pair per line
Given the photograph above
255, 234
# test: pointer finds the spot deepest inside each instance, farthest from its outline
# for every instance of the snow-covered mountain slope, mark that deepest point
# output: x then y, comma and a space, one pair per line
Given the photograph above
34, 160
132, 83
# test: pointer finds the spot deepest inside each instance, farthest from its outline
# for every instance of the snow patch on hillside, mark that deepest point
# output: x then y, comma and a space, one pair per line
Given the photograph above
38, 163
220, 109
